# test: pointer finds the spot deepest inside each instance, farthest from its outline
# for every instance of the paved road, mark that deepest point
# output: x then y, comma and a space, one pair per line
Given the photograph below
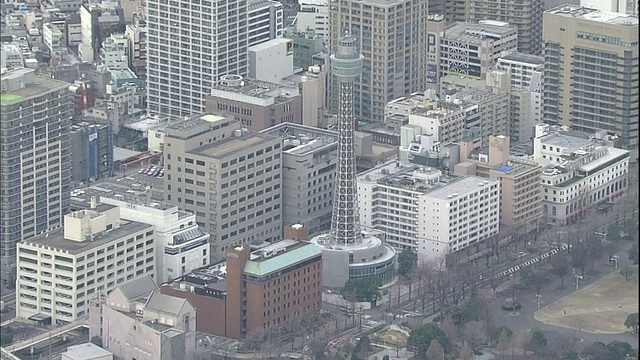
549, 295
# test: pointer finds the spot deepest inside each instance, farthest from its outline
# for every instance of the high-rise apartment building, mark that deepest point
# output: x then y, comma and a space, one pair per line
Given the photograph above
189, 48
266, 21
392, 38
229, 177
523, 81
526, 15
591, 72
36, 160
470, 49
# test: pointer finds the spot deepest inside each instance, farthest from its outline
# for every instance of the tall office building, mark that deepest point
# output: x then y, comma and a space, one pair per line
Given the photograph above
35, 159
229, 177
393, 41
526, 15
590, 77
348, 252
187, 54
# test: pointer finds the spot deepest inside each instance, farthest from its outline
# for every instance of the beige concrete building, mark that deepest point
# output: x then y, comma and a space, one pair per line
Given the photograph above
392, 37
256, 104
97, 250
228, 176
137, 321
520, 184
591, 72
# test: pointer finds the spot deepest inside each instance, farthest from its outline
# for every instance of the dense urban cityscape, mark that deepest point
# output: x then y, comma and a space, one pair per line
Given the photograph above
319, 179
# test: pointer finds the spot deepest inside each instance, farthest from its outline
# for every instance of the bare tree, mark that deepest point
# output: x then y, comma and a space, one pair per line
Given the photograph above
450, 328
466, 352
435, 351
503, 344
475, 332
561, 345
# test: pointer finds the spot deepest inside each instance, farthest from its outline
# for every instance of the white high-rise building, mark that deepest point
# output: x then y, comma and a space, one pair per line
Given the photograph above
422, 209
189, 48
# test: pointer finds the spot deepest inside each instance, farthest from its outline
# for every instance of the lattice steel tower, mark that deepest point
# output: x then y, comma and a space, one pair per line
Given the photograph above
346, 65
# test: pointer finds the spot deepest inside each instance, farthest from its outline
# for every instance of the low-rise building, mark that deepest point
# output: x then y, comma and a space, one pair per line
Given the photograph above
254, 291
95, 251
580, 172
86, 351
137, 321
306, 43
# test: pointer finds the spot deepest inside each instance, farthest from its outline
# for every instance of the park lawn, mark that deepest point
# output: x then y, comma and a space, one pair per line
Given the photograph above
601, 307
393, 338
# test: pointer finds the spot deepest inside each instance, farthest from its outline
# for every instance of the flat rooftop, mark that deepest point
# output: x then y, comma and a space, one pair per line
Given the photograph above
86, 351
39, 86
231, 144
284, 253
135, 193
595, 15
270, 43
119, 74
56, 239
415, 178
570, 141
460, 186
475, 96
478, 32
256, 89
524, 58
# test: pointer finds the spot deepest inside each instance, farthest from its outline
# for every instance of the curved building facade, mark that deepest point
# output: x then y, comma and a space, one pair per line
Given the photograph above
370, 257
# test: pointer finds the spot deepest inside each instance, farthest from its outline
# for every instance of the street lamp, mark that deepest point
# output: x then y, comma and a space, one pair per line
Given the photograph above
538, 297
615, 258
578, 278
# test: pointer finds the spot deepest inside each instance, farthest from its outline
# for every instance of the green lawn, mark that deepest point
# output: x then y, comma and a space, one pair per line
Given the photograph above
9, 98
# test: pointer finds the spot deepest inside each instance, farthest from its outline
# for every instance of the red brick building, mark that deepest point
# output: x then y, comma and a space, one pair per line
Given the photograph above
254, 290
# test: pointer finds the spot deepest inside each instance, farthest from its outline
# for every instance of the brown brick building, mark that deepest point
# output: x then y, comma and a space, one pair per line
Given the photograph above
254, 290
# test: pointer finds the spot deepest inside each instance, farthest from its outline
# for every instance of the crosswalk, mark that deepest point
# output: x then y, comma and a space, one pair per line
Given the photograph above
531, 262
